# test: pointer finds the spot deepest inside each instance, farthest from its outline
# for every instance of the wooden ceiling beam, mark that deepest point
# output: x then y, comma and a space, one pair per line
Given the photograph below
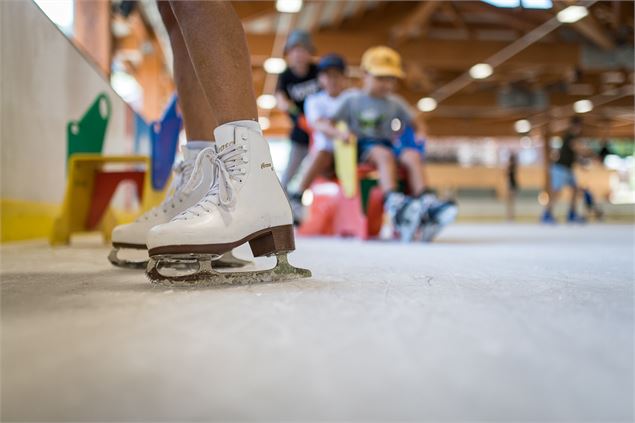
381, 18
506, 18
250, 10
415, 24
316, 17
443, 54
589, 28
338, 13
490, 100
453, 12
358, 9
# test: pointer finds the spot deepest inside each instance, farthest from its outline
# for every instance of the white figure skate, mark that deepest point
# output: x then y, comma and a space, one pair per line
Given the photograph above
133, 235
245, 204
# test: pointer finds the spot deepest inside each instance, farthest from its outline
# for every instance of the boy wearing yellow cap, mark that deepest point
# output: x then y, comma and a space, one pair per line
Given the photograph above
377, 117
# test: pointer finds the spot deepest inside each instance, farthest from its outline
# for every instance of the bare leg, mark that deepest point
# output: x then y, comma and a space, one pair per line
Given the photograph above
553, 199
217, 47
320, 163
412, 161
511, 199
296, 155
424, 174
198, 119
385, 162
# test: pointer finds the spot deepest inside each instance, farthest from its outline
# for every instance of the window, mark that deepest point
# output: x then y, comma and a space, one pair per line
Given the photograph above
61, 12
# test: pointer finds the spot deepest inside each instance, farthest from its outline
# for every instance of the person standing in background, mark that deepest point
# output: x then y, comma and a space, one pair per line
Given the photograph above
605, 150
295, 84
562, 175
512, 186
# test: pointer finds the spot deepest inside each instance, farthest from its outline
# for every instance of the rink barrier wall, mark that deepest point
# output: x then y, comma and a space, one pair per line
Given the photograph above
22, 220
46, 83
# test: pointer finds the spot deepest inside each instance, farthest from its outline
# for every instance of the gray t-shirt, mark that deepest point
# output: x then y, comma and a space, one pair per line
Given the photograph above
372, 117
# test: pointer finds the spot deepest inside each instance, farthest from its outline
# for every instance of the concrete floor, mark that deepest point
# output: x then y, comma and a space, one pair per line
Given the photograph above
493, 322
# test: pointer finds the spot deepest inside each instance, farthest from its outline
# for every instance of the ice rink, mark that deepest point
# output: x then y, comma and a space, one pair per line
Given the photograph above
492, 322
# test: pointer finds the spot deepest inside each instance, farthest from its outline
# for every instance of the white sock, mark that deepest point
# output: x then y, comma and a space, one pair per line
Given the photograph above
192, 148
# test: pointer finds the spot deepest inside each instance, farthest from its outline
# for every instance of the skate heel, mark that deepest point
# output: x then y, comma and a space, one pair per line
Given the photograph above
278, 239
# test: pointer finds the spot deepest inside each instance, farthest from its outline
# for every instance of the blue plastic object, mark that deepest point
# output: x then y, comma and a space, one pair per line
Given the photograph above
141, 135
164, 139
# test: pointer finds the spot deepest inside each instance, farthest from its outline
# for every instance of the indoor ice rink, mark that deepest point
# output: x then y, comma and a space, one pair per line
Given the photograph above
461, 182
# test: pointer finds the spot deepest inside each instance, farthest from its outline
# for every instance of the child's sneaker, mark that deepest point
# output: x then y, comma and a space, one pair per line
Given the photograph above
573, 217
547, 218
404, 214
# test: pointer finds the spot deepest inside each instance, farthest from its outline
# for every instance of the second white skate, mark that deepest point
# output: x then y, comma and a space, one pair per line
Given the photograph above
132, 236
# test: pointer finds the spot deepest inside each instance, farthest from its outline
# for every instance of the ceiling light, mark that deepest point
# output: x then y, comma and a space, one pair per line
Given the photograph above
522, 126
266, 101
395, 125
481, 71
583, 106
275, 65
572, 14
427, 104
288, 6
537, 4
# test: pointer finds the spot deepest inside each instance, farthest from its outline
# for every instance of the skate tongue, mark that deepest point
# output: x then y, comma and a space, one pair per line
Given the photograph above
237, 132
227, 135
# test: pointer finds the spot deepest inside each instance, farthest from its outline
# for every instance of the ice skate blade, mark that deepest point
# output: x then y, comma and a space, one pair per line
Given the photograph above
229, 260
226, 261
125, 264
206, 276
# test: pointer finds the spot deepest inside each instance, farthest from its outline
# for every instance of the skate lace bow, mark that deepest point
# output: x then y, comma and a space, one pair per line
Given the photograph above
226, 166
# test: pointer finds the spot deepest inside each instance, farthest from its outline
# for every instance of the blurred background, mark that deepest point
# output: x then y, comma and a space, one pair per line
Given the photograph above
488, 79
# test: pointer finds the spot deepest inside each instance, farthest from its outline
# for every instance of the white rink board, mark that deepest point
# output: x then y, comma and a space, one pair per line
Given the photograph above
45, 83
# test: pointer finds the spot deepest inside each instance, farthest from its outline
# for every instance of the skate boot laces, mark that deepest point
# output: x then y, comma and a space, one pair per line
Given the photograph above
182, 173
227, 167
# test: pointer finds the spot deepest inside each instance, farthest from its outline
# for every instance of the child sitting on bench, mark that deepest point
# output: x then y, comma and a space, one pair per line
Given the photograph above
376, 116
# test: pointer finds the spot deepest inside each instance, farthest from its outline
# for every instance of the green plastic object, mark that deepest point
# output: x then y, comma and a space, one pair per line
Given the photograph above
87, 134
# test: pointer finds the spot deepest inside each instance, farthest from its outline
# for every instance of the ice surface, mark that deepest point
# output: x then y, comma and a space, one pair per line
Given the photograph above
491, 322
